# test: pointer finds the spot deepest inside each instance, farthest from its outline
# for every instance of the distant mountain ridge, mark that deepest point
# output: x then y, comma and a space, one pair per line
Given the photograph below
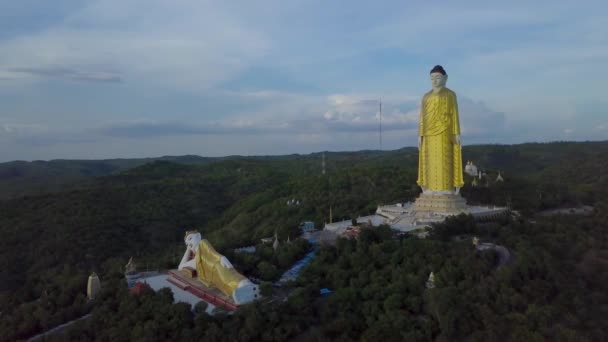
22, 178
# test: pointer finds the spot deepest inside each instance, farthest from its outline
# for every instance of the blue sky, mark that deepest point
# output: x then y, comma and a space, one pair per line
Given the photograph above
112, 78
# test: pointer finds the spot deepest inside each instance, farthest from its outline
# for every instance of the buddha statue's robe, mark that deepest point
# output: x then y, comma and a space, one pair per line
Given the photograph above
213, 273
440, 160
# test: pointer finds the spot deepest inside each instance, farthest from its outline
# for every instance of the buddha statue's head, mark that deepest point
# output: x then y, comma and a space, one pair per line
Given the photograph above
438, 77
192, 239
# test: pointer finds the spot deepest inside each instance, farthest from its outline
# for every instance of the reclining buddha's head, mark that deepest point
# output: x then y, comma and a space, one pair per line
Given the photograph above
192, 239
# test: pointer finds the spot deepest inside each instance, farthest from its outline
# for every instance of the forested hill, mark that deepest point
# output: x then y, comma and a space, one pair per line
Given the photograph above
23, 178
20, 178
101, 212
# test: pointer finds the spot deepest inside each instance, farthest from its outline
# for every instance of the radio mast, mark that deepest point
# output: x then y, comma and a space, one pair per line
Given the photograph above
380, 126
323, 164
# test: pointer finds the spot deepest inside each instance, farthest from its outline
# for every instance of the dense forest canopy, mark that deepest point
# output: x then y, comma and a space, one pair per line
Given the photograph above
99, 213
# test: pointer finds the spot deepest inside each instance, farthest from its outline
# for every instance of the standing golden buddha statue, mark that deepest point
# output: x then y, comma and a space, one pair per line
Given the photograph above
440, 160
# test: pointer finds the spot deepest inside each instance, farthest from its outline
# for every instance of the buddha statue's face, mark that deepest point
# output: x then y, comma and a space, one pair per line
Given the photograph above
438, 80
192, 240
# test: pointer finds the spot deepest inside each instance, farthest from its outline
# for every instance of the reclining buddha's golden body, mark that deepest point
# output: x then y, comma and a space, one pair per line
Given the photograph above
212, 271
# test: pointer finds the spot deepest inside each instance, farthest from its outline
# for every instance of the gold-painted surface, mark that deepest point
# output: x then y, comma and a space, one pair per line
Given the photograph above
440, 159
212, 273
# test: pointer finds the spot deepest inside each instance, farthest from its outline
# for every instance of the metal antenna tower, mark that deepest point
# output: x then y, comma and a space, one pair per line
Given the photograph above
380, 126
323, 164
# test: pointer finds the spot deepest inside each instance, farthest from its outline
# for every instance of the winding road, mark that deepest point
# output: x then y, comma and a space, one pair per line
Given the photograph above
504, 256
58, 328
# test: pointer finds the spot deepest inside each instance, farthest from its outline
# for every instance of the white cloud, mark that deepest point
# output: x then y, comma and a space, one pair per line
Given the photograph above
12, 129
195, 46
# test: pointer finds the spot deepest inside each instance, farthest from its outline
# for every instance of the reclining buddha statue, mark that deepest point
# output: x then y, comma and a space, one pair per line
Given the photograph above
214, 270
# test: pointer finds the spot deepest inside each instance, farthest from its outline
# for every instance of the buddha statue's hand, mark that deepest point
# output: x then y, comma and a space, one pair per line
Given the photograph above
457, 139
224, 262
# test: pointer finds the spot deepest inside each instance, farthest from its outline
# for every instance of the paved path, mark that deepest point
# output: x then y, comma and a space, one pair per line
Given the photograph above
504, 256
582, 210
58, 328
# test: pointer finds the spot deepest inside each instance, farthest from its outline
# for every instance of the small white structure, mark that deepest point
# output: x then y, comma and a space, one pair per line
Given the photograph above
499, 178
131, 273
470, 169
430, 283
293, 201
275, 244
93, 286
475, 241
130, 266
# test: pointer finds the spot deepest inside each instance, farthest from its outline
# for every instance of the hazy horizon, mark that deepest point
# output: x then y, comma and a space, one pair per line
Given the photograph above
287, 154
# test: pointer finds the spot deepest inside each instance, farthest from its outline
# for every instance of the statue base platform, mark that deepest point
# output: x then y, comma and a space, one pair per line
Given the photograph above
433, 208
450, 204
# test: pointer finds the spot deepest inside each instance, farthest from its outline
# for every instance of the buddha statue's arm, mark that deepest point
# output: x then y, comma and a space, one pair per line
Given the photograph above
421, 125
455, 120
185, 259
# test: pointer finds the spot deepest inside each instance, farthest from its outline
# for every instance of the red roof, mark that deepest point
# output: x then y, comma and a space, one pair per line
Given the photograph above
352, 232
139, 287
